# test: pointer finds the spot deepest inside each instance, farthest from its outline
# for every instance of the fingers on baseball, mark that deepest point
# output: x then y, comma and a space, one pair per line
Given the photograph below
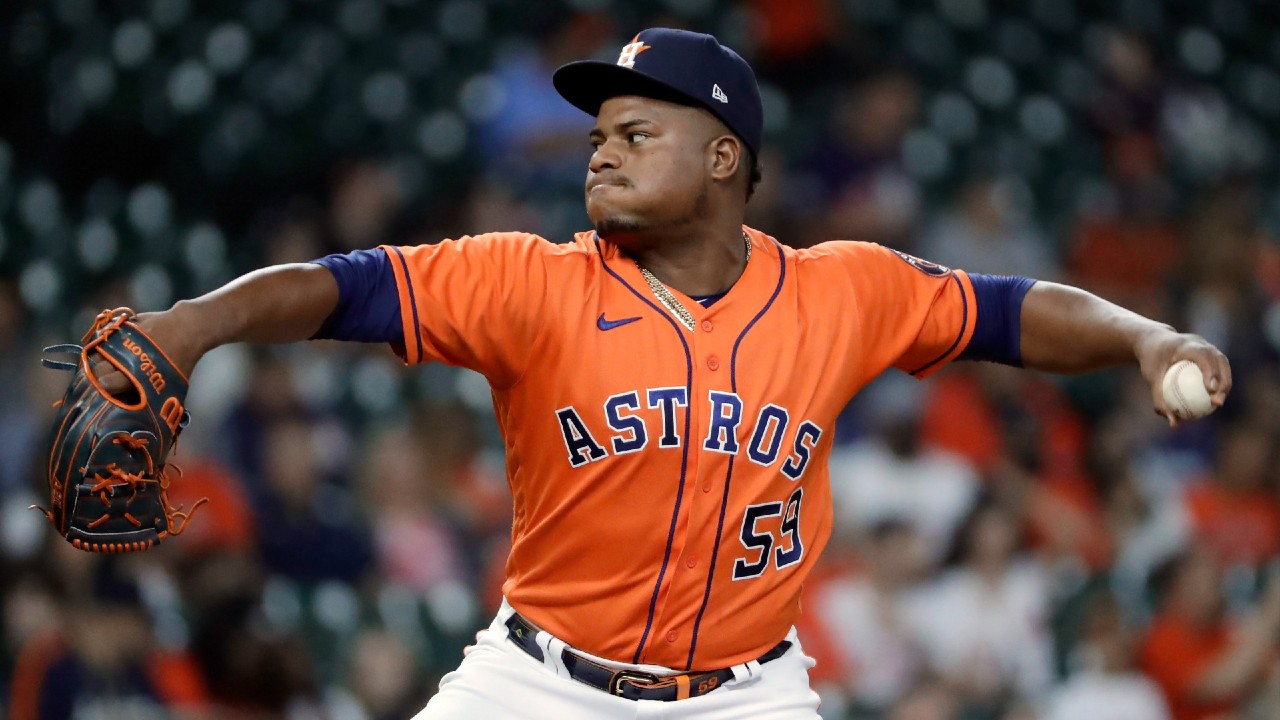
1217, 373
1214, 368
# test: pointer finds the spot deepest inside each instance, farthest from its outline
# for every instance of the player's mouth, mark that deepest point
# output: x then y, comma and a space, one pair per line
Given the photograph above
605, 184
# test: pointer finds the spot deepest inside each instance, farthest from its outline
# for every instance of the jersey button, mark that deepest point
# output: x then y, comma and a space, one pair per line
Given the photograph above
706, 487
671, 636
691, 562
708, 326
713, 362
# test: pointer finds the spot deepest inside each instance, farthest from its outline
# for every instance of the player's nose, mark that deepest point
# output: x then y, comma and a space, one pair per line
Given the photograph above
604, 158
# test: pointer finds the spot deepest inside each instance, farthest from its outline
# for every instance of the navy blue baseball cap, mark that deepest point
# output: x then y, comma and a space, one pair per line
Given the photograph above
674, 65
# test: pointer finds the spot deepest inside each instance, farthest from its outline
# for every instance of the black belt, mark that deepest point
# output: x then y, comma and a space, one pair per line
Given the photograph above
630, 684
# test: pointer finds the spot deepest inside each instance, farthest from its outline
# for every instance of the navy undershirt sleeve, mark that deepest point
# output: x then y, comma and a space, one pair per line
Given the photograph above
368, 307
997, 336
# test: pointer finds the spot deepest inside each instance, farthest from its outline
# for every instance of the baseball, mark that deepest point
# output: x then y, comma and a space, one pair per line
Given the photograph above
1184, 393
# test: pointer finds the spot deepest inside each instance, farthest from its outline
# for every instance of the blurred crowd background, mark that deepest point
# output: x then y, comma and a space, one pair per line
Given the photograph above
1008, 546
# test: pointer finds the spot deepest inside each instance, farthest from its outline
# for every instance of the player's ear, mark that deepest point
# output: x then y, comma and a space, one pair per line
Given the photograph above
724, 154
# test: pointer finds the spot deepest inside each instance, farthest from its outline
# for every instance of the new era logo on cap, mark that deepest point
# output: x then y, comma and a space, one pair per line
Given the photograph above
675, 66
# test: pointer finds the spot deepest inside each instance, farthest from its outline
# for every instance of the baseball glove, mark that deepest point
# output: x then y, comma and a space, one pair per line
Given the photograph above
108, 479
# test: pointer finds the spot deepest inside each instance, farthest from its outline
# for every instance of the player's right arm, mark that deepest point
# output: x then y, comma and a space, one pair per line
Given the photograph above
474, 302
279, 304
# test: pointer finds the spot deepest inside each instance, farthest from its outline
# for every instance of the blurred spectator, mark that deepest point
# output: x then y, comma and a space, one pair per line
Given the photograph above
294, 232
1205, 662
20, 423
1066, 525
892, 474
984, 624
494, 206
362, 207
802, 45
307, 523
868, 194
1219, 294
101, 661
1126, 103
471, 488
930, 700
1126, 247
254, 670
1234, 511
226, 521
1056, 500
875, 657
986, 232
1105, 684
537, 141
270, 392
384, 677
975, 409
403, 492
31, 630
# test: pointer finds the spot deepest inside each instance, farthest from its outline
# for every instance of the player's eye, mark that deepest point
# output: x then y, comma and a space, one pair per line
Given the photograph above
635, 137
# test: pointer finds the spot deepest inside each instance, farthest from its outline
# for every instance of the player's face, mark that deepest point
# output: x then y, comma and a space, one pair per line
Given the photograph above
649, 168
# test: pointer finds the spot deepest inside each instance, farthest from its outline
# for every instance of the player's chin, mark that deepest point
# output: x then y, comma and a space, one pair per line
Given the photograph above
617, 225
609, 222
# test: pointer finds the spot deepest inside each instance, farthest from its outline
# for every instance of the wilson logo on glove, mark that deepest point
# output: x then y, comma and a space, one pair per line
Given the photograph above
146, 365
108, 475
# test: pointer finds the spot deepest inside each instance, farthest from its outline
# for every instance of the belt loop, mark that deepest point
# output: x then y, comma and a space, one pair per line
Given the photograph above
682, 686
552, 652
745, 672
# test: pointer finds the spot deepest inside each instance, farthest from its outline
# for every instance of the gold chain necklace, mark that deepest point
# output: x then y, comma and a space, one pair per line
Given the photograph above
664, 295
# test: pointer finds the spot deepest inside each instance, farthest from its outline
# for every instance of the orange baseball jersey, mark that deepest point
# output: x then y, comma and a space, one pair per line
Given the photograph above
670, 487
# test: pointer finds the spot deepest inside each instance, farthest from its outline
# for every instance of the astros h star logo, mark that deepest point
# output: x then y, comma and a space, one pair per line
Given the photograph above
627, 58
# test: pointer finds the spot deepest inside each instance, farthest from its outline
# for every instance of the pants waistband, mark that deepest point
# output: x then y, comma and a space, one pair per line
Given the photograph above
633, 684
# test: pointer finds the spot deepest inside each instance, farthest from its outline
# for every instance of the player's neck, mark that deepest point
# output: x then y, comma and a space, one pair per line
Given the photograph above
703, 266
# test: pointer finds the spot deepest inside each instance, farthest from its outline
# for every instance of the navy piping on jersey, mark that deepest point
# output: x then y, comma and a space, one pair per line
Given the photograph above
408, 283
724, 499
964, 324
684, 454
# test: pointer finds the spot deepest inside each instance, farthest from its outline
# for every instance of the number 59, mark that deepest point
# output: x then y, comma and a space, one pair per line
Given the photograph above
763, 542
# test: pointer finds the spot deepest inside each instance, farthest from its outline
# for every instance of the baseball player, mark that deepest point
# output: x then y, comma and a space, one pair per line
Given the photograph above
666, 386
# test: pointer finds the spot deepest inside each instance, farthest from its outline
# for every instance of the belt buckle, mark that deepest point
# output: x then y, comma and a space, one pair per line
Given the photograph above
635, 677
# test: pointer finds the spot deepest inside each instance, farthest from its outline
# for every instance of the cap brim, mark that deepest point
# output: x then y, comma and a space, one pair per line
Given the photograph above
586, 84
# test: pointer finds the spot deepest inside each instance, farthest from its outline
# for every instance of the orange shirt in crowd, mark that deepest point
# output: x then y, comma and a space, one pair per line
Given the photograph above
1175, 654
1064, 516
960, 417
1242, 528
1125, 262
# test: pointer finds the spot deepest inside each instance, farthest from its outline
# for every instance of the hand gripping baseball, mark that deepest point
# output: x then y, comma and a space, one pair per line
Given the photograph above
1163, 351
107, 470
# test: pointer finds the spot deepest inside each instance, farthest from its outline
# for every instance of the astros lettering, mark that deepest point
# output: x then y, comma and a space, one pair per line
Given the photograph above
725, 413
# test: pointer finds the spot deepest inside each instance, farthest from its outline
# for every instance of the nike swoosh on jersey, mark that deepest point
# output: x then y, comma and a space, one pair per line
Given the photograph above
611, 324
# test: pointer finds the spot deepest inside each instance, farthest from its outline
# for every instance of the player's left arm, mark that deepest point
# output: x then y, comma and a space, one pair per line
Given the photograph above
1067, 330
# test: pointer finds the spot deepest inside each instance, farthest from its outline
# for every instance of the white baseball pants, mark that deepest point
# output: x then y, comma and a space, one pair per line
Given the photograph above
499, 681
